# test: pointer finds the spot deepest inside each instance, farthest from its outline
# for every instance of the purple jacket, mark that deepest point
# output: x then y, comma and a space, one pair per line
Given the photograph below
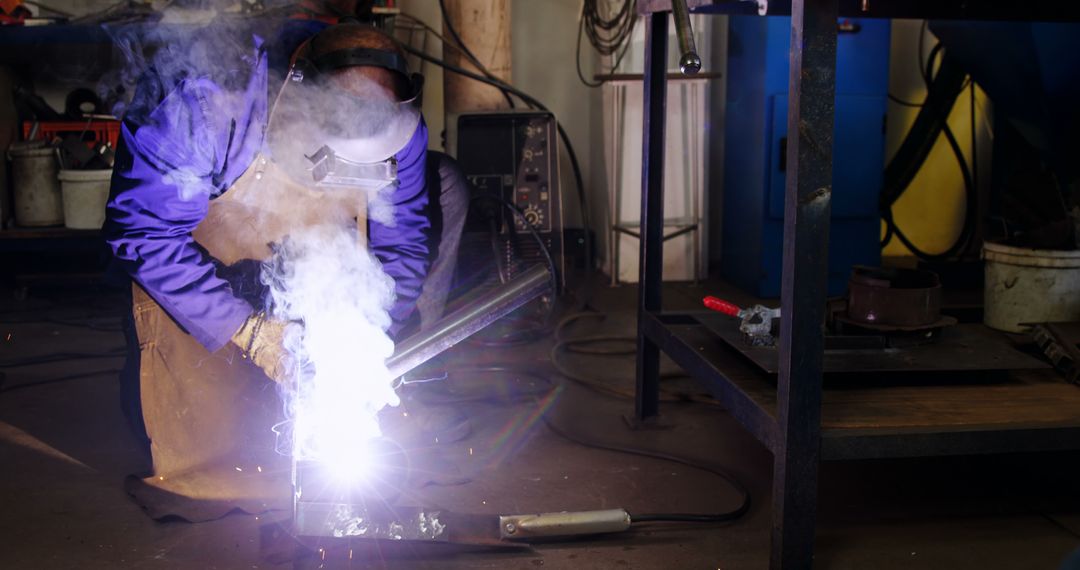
183, 143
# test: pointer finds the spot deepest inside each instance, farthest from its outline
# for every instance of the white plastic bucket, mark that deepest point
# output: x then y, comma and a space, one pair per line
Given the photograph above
85, 194
36, 192
1030, 286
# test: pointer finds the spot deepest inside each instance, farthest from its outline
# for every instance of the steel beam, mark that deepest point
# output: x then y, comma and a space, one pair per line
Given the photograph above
808, 190
755, 418
647, 403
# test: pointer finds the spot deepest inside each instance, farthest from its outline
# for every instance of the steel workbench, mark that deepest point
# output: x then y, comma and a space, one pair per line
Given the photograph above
1030, 412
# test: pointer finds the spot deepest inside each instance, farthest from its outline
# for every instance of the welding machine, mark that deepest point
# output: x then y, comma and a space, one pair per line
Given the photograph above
511, 160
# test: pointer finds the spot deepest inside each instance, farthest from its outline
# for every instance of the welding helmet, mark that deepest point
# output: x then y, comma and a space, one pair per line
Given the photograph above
339, 128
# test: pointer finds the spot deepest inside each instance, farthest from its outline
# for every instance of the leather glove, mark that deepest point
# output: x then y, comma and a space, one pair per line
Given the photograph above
262, 340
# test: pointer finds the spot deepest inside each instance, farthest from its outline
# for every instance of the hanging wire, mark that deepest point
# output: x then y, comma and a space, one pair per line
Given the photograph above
609, 29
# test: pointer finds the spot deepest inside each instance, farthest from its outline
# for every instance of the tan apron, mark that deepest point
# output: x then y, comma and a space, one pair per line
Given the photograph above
210, 416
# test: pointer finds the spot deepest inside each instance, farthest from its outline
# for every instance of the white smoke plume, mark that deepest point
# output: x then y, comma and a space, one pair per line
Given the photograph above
323, 278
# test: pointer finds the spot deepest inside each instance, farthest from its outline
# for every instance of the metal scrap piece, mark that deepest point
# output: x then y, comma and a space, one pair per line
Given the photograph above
1059, 348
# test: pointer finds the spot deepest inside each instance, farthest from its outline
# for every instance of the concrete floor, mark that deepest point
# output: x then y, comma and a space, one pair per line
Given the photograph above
65, 448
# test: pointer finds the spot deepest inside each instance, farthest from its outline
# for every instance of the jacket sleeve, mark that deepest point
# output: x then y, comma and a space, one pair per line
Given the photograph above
171, 160
404, 246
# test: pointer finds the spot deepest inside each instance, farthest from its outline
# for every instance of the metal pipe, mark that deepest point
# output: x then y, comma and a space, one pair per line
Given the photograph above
689, 60
468, 320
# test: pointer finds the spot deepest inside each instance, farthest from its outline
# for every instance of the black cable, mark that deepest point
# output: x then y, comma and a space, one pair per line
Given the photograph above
942, 92
608, 34
577, 52
577, 58
575, 166
453, 32
730, 479
963, 240
974, 139
468, 53
525, 335
903, 103
494, 394
885, 239
922, 49
586, 345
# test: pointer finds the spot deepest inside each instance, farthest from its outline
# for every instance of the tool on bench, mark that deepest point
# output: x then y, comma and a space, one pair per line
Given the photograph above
757, 321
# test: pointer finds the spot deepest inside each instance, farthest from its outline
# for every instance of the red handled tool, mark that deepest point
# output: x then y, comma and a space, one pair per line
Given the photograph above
756, 321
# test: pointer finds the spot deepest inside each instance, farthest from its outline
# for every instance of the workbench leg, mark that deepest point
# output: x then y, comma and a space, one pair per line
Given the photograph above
811, 103
647, 403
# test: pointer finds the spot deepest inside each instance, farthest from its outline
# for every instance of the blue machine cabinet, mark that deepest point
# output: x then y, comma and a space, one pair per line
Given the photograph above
755, 138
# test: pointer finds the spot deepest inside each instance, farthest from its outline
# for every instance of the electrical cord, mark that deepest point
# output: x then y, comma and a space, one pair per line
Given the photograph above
523, 335
574, 165
942, 92
464, 50
729, 478
587, 345
963, 240
577, 48
520, 216
543, 389
903, 103
608, 34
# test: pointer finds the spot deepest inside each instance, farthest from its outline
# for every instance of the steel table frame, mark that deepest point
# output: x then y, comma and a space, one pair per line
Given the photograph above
792, 431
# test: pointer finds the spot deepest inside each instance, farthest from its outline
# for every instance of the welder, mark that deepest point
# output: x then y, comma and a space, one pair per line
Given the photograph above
210, 175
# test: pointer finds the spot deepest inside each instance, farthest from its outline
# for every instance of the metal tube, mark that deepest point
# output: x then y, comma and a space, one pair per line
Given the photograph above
468, 320
689, 60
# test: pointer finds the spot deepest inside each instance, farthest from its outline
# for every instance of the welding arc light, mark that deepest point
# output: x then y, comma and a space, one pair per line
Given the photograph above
378, 468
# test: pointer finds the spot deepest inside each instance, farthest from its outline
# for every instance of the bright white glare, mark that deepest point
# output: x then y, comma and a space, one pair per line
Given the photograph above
324, 278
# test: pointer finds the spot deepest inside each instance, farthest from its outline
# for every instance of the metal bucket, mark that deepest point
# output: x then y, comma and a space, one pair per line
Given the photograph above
36, 190
1026, 285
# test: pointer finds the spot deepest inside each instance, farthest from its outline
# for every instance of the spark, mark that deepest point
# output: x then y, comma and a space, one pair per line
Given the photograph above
239, 469
258, 468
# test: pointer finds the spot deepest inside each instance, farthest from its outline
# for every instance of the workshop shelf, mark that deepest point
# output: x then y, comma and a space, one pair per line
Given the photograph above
1003, 412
